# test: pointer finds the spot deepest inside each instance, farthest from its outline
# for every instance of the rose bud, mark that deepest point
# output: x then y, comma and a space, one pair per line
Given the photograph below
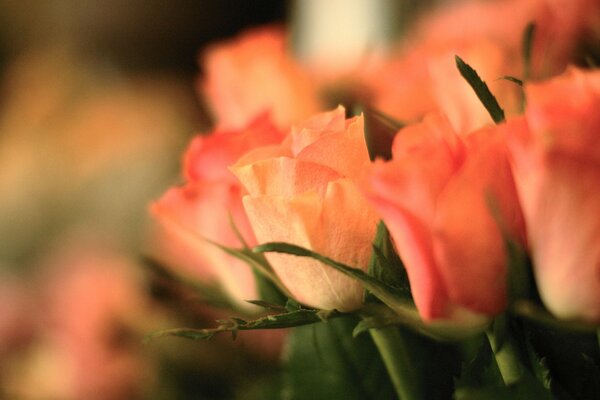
255, 73
434, 196
303, 193
198, 212
555, 155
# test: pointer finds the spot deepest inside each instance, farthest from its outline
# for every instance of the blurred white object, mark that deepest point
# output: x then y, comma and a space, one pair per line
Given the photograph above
336, 35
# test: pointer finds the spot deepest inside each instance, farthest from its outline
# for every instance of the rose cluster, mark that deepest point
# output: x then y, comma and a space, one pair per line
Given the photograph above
279, 167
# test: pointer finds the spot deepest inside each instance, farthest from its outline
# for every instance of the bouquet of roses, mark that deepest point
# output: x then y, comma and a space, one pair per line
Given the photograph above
435, 236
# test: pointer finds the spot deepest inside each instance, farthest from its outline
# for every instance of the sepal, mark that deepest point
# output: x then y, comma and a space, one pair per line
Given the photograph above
481, 90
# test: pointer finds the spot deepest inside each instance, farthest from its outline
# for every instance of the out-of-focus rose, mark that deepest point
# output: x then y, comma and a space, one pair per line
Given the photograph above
255, 73
86, 346
423, 77
200, 211
555, 154
560, 24
433, 197
302, 192
426, 79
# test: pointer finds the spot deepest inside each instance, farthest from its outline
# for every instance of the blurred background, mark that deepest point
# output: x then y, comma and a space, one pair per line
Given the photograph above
97, 105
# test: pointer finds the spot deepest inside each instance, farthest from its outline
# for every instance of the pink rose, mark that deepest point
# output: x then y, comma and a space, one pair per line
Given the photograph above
433, 198
255, 73
555, 154
198, 212
302, 192
93, 305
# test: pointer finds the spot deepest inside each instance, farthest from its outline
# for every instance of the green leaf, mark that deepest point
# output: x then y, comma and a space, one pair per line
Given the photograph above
506, 350
481, 379
261, 267
275, 321
481, 90
375, 316
292, 305
419, 367
572, 357
404, 308
324, 362
268, 286
380, 130
528, 37
538, 364
481, 371
385, 264
267, 305
520, 281
236, 231
521, 284
381, 290
267, 290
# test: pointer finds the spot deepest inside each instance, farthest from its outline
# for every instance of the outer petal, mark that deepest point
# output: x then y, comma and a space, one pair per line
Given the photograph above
192, 214
555, 156
340, 225
468, 244
565, 235
283, 176
310, 130
208, 157
343, 151
405, 191
563, 114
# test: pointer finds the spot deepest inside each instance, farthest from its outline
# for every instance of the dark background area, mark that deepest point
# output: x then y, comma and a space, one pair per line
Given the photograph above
137, 35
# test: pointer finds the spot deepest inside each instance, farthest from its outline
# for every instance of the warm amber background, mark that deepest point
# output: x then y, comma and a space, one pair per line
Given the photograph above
97, 103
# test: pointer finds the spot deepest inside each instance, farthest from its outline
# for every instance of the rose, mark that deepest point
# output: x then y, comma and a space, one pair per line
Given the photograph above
254, 73
303, 193
425, 79
192, 216
555, 154
559, 26
434, 196
93, 302
422, 77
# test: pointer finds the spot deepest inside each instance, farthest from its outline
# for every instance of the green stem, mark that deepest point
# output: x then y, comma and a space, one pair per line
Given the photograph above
598, 335
507, 357
397, 361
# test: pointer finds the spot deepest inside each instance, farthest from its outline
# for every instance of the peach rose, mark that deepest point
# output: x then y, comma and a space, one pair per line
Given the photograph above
560, 24
425, 79
433, 198
255, 73
555, 154
202, 208
422, 76
302, 192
